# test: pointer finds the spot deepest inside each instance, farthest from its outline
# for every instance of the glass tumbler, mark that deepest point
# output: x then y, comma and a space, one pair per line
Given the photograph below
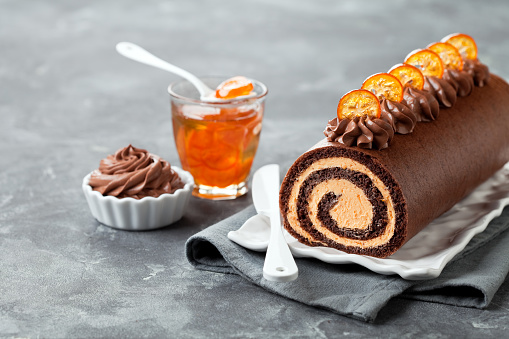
216, 142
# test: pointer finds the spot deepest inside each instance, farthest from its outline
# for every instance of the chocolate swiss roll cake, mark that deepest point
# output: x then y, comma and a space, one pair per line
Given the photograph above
371, 201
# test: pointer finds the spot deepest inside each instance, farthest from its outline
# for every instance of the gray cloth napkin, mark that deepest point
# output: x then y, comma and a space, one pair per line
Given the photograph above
470, 279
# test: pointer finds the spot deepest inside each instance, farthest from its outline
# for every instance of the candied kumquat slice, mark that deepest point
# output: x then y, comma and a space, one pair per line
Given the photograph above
200, 138
408, 75
225, 178
449, 54
234, 87
384, 85
464, 43
427, 61
358, 103
220, 158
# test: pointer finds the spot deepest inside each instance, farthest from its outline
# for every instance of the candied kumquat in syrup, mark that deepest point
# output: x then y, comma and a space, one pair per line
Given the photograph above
234, 87
408, 75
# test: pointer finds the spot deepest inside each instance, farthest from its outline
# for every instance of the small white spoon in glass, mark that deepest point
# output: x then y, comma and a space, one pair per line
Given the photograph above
135, 52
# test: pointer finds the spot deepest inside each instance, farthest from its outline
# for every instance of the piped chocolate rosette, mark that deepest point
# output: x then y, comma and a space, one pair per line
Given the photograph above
370, 202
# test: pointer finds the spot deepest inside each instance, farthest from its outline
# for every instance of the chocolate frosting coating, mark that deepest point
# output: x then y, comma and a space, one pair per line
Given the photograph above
477, 70
441, 89
135, 173
423, 104
402, 117
363, 132
463, 81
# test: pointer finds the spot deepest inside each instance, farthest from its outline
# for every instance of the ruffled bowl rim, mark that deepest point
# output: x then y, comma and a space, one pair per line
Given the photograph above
164, 200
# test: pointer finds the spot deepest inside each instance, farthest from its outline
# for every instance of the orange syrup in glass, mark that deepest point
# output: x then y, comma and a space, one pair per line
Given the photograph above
217, 145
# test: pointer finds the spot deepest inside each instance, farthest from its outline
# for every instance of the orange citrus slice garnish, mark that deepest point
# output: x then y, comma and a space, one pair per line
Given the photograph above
408, 75
427, 61
449, 54
234, 87
358, 103
464, 43
384, 85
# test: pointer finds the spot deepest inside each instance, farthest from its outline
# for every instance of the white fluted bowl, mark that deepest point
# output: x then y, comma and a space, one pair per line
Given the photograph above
143, 214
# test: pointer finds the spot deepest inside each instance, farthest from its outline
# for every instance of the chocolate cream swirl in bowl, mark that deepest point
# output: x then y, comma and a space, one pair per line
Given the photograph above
134, 173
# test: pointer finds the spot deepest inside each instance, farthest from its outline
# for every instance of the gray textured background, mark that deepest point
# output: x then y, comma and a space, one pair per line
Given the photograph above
67, 99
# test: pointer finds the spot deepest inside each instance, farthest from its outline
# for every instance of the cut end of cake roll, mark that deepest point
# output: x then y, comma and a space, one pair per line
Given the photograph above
343, 198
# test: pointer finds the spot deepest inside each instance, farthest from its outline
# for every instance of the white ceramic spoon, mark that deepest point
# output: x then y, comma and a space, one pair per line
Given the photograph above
135, 52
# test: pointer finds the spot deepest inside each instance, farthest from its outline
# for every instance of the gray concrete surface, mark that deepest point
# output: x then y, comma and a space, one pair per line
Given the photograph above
67, 100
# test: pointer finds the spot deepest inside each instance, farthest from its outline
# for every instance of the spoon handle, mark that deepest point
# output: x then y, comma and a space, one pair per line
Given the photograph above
135, 52
279, 263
